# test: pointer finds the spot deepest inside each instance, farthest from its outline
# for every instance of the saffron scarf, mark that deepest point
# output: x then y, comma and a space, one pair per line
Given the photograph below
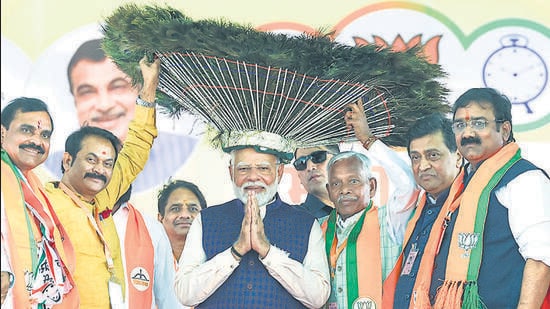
32, 245
363, 260
139, 255
459, 290
388, 288
424, 276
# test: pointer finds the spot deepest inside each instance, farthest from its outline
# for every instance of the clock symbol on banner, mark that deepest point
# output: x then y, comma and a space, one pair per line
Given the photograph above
516, 70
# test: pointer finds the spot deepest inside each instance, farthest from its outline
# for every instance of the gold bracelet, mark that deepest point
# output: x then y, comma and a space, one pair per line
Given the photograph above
369, 141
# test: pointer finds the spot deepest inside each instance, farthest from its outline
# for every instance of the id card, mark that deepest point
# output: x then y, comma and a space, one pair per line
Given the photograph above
410, 260
115, 294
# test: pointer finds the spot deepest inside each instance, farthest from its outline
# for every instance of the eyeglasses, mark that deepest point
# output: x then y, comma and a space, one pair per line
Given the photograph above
316, 157
475, 124
263, 169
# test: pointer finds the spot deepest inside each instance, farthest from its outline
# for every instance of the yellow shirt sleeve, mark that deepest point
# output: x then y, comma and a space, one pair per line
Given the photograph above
132, 158
130, 162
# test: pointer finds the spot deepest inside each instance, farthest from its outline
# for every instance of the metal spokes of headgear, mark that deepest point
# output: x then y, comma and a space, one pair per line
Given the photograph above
234, 96
268, 89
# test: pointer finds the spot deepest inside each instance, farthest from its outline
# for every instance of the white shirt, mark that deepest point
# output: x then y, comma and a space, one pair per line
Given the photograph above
404, 191
198, 278
527, 198
163, 292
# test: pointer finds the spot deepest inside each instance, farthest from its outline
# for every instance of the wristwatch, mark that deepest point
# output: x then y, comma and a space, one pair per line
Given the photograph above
141, 102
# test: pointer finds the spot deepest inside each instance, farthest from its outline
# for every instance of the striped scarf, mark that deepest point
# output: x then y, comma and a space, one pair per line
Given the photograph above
363, 260
460, 290
43, 276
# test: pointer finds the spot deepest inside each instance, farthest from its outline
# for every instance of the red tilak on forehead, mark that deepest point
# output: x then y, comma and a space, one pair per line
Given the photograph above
103, 152
467, 115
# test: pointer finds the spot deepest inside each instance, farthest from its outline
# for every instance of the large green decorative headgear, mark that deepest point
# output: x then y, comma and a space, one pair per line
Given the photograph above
271, 91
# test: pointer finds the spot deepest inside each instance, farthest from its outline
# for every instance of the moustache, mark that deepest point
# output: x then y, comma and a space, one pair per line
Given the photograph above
314, 174
254, 184
178, 221
33, 146
342, 198
470, 140
426, 174
96, 176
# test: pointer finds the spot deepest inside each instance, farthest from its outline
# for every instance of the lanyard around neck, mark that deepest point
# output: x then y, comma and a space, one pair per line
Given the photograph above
94, 220
336, 250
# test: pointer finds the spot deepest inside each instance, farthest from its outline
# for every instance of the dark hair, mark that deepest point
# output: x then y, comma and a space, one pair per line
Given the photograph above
168, 188
332, 148
73, 144
124, 197
432, 124
502, 107
23, 105
89, 50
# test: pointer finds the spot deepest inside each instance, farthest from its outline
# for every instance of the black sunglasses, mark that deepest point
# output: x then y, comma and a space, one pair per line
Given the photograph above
320, 156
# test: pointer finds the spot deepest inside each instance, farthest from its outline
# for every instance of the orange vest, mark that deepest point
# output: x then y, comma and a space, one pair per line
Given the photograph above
139, 255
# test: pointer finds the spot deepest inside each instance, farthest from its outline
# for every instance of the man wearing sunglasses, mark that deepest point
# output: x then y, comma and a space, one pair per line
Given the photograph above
310, 164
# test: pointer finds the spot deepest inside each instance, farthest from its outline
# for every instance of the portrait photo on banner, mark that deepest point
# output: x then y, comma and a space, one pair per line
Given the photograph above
83, 87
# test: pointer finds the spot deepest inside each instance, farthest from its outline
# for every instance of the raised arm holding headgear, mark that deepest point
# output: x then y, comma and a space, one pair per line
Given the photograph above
97, 170
262, 100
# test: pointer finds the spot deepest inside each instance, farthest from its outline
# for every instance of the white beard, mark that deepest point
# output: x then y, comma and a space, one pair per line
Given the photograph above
263, 198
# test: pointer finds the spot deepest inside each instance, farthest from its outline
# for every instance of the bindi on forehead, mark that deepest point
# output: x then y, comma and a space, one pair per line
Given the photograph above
34, 119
